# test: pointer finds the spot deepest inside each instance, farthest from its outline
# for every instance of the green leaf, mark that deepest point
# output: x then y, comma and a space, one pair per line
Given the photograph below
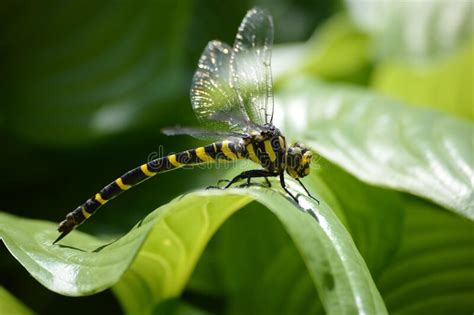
275, 278
325, 54
384, 142
75, 76
9, 304
165, 261
375, 215
330, 46
416, 253
432, 271
80, 265
445, 84
255, 270
414, 31
176, 235
326, 249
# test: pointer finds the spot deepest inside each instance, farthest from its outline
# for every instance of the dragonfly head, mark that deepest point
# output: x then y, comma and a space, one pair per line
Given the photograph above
298, 159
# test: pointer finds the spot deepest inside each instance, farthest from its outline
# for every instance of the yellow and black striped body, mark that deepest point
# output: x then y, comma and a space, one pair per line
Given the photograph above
218, 151
267, 148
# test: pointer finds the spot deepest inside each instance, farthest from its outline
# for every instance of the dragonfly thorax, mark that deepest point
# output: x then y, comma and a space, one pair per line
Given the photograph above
266, 147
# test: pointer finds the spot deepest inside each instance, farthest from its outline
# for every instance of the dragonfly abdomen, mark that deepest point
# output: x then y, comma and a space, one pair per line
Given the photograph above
224, 150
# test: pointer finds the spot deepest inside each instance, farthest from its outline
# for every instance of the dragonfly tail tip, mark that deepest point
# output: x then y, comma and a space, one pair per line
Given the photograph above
65, 227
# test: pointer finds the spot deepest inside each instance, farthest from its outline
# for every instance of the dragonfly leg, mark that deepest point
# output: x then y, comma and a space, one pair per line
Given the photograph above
309, 195
218, 183
268, 182
269, 185
250, 174
283, 185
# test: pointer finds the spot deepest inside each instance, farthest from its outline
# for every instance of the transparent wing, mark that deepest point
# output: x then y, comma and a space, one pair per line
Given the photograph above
250, 65
212, 96
202, 133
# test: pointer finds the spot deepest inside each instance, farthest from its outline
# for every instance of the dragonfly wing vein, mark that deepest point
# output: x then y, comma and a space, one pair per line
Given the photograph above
251, 65
211, 92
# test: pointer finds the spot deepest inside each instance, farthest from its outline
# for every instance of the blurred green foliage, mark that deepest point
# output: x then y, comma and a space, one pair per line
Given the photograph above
87, 85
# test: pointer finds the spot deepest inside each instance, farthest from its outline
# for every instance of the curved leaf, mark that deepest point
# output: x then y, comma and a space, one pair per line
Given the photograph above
275, 279
445, 85
415, 31
375, 215
81, 265
432, 271
253, 265
79, 71
326, 248
325, 54
176, 235
418, 254
384, 142
329, 47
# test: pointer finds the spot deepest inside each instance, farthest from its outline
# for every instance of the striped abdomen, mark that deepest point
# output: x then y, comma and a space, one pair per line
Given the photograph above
225, 150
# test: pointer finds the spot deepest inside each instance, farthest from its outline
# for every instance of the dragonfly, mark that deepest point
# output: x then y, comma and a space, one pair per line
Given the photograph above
231, 94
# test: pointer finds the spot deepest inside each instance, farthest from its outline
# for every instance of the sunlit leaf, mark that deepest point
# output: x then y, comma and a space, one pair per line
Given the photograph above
325, 55
80, 265
415, 31
374, 215
176, 235
259, 271
384, 142
445, 84
324, 247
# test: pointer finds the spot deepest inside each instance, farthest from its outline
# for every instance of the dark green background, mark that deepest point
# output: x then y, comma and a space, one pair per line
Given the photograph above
62, 64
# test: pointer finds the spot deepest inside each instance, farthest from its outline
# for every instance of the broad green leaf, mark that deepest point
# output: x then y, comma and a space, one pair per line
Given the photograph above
374, 215
274, 279
388, 230
415, 250
258, 271
176, 235
382, 141
80, 265
82, 70
325, 54
9, 304
444, 84
415, 31
165, 261
329, 48
224, 267
432, 271
324, 247
285, 287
